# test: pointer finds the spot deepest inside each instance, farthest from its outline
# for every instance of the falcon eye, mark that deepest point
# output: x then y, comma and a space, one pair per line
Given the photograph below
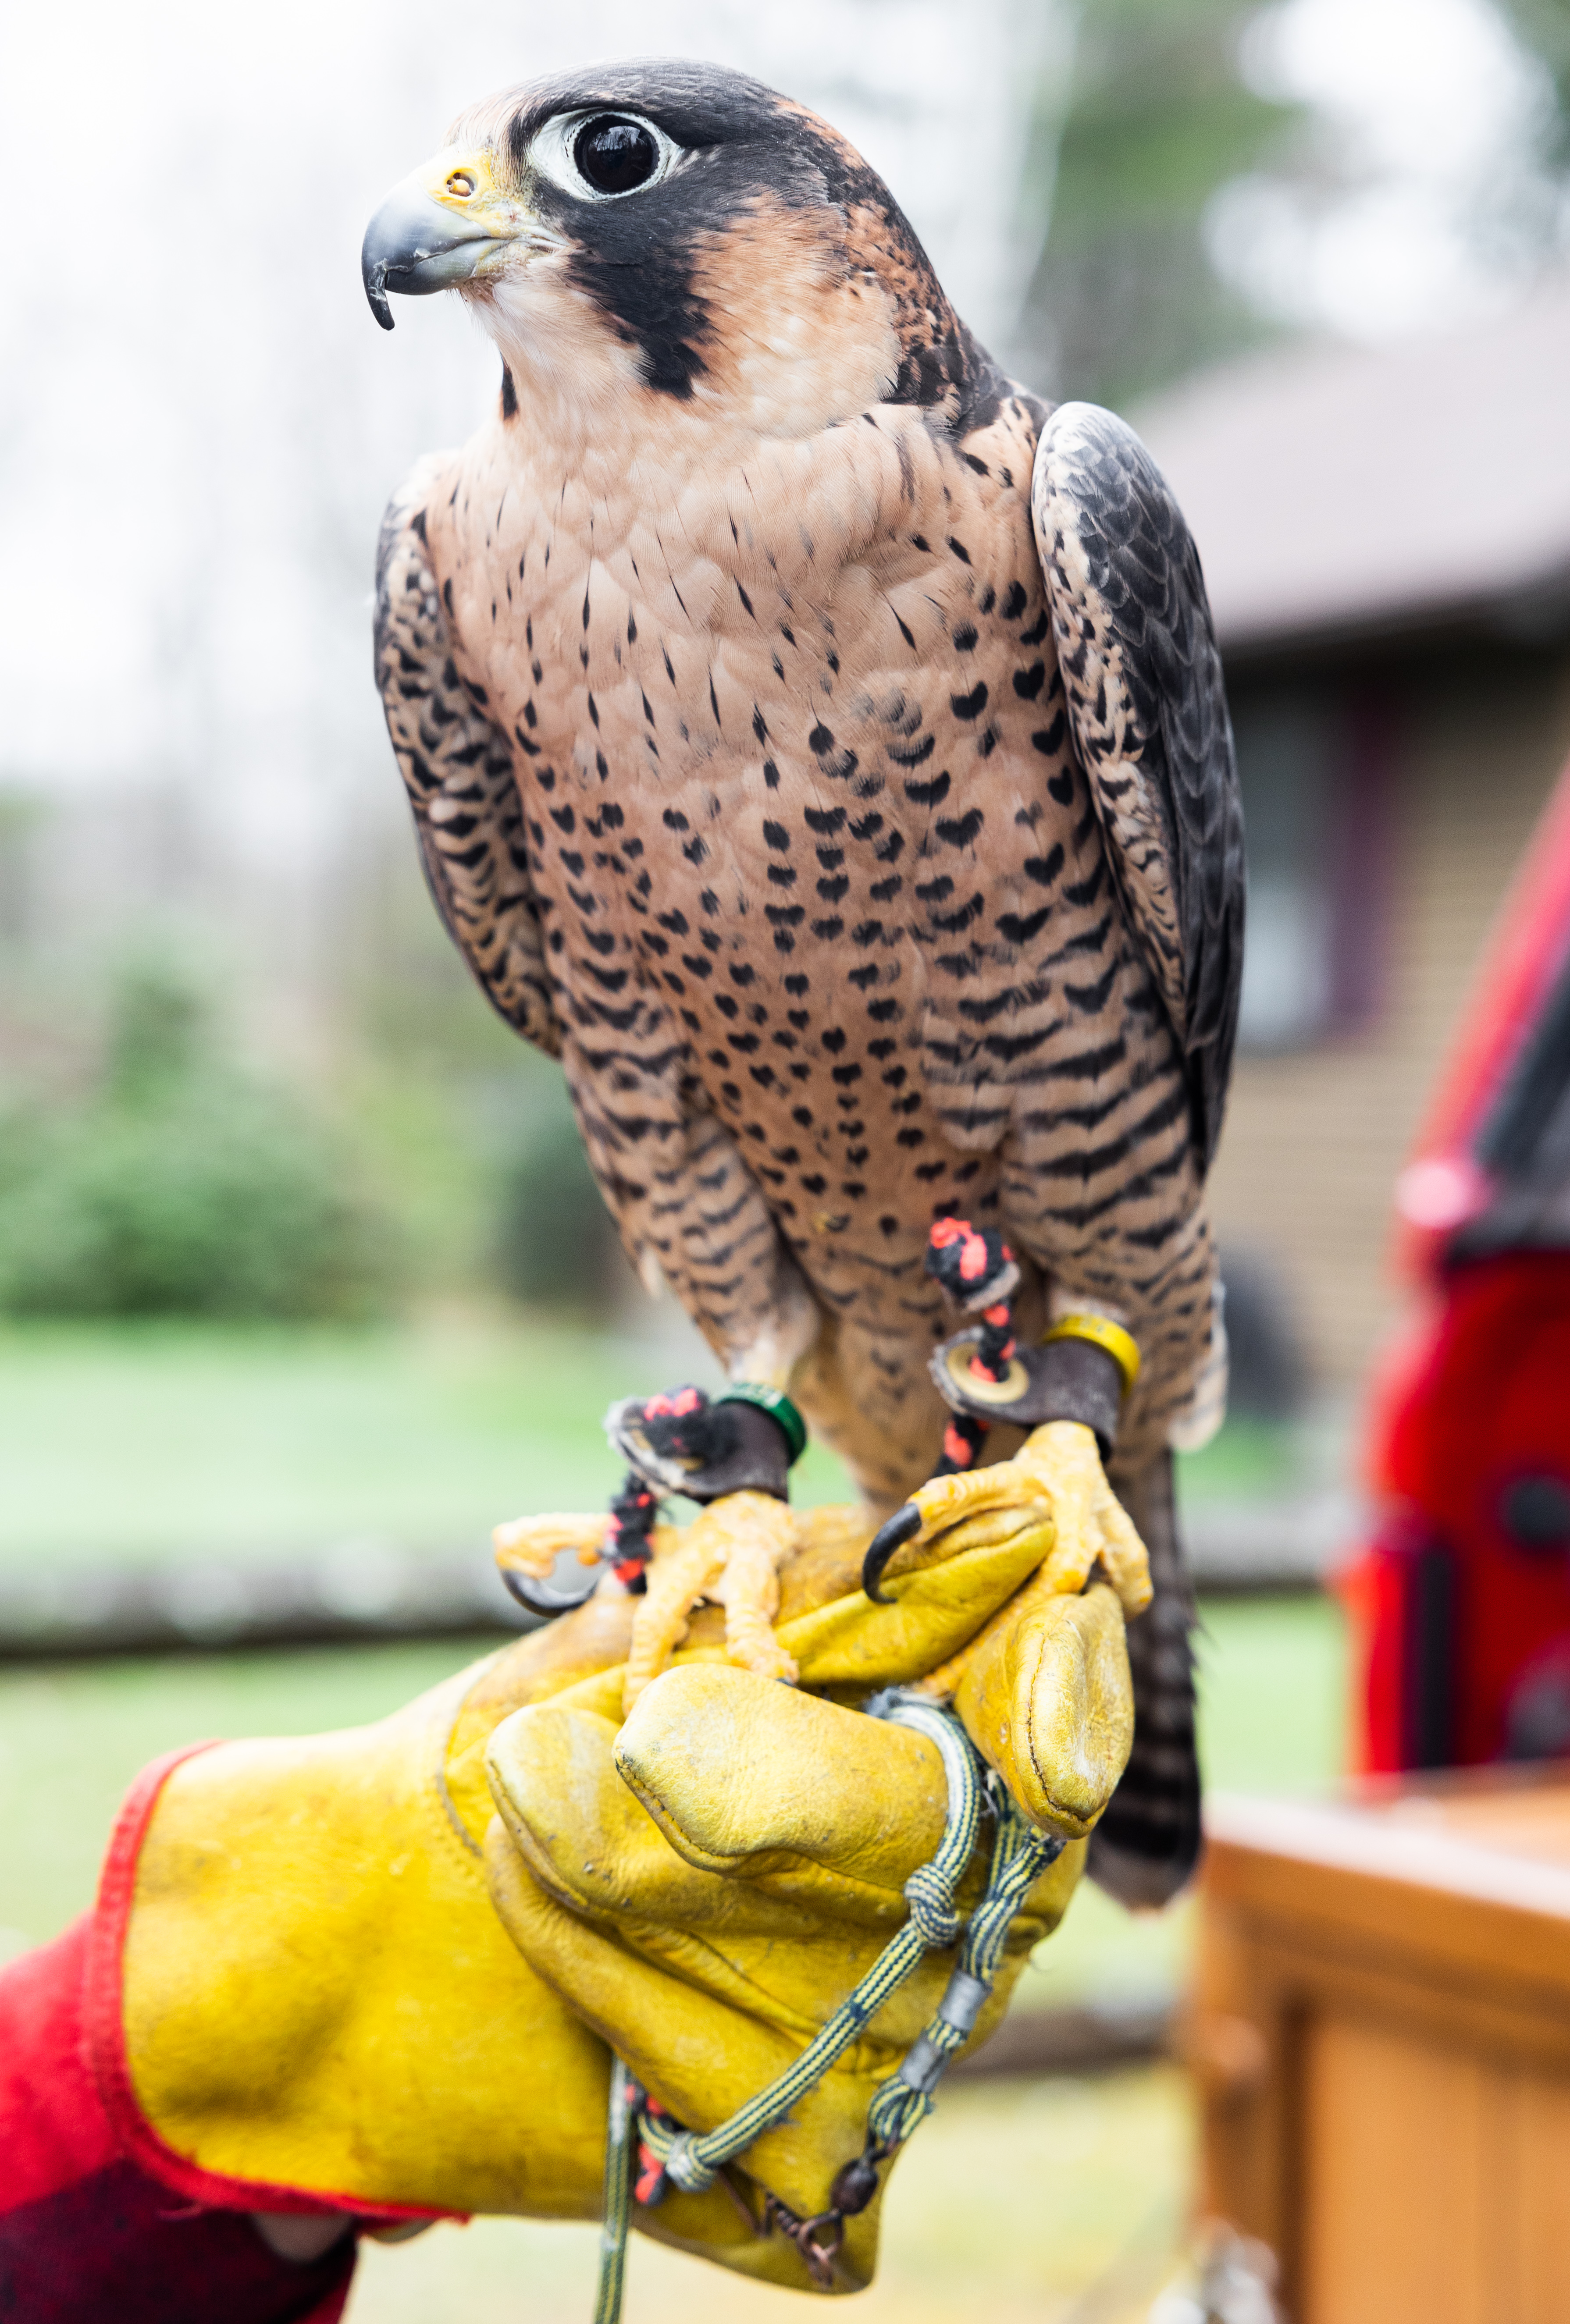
616, 157
599, 157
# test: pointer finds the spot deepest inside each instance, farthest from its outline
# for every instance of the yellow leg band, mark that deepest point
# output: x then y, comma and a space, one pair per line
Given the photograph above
1101, 1332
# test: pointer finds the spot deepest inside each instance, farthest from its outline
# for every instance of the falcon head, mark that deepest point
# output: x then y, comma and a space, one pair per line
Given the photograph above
677, 232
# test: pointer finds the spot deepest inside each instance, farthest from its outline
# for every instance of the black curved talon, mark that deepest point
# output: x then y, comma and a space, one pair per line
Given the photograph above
538, 1594
892, 1534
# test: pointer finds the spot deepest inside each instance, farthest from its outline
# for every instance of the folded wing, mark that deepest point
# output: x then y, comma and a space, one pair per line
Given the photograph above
1148, 709
458, 768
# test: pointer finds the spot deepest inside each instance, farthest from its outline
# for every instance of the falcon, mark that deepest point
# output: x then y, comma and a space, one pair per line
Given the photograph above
818, 743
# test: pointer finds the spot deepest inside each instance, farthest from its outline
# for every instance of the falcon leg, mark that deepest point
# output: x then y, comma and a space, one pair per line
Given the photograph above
963, 1440
733, 1454
1058, 1469
732, 1555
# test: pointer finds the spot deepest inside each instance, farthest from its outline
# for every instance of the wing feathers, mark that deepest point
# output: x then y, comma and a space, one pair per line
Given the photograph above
458, 772
1148, 710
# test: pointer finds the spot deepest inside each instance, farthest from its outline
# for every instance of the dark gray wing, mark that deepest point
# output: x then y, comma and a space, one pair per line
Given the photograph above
458, 768
1148, 707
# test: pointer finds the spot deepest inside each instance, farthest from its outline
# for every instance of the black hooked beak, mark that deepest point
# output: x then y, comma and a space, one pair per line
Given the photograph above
892, 1534
415, 245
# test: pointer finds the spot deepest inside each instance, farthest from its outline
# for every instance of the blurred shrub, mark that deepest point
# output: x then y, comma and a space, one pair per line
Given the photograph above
472, 1129
555, 1237
181, 1185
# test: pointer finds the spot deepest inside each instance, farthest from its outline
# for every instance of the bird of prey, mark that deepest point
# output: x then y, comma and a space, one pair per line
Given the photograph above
818, 743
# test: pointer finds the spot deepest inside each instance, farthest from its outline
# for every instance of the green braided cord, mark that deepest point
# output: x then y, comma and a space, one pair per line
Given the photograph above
620, 2157
694, 2160
693, 2163
898, 2107
1019, 1854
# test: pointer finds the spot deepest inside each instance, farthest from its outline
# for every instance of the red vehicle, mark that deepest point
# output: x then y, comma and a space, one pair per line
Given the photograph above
1461, 1603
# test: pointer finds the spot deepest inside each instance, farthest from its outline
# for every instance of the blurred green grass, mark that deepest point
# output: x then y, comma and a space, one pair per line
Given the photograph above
1055, 2202
72, 1735
1248, 1460
144, 1443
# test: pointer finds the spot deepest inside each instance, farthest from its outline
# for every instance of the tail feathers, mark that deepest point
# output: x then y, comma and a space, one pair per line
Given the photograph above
1148, 1843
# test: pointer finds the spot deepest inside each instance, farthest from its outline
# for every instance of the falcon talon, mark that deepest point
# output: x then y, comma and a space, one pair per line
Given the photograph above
539, 1598
892, 1535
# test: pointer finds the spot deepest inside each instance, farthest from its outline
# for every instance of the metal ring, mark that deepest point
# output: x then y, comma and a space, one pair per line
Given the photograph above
959, 1364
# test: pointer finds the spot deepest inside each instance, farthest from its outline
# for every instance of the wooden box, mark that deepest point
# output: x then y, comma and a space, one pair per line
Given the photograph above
1381, 2031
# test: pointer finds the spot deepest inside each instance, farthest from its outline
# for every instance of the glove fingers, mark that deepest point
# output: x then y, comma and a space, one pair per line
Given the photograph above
741, 1940
942, 1593
1049, 1702
817, 1815
587, 1840
647, 2005
743, 1777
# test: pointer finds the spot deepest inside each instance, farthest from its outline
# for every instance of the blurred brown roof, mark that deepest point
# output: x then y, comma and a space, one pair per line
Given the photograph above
1335, 493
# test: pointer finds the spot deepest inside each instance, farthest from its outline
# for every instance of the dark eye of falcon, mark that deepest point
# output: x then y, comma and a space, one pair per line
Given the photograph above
602, 157
616, 157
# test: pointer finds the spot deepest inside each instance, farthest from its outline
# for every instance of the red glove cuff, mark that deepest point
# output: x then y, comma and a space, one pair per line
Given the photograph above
100, 2222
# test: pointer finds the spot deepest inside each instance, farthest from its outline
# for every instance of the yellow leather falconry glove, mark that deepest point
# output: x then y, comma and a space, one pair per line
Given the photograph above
302, 1998
706, 1881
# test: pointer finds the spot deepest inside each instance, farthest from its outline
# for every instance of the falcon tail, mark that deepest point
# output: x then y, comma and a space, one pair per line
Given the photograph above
1148, 1843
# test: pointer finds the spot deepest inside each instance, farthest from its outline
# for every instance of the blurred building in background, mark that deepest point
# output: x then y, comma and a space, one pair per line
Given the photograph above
1386, 537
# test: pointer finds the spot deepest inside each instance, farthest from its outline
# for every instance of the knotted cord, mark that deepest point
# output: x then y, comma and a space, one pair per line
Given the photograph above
692, 2160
